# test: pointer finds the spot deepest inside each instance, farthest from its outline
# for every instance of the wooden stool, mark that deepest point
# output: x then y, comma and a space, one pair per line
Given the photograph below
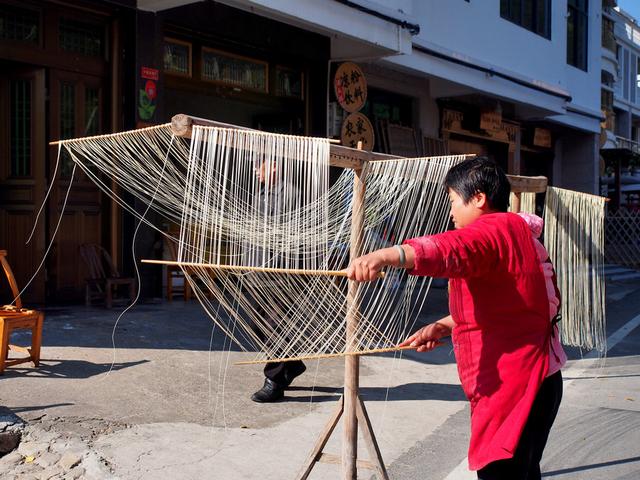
17, 318
175, 272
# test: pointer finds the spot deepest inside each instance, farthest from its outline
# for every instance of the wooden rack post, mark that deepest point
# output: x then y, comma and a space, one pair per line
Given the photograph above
352, 363
351, 407
520, 185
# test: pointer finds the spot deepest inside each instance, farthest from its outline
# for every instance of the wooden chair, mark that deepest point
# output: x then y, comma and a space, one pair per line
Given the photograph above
175, 272
103, 277
15, 317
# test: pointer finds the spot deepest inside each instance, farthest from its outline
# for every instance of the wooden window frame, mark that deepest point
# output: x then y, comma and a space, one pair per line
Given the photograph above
189, 46
266, 89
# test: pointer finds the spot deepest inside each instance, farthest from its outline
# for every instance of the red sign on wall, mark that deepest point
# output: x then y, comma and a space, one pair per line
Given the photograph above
149, 73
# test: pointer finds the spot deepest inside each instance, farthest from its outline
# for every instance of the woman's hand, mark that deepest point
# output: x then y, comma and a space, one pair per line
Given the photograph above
428, 337
367, 267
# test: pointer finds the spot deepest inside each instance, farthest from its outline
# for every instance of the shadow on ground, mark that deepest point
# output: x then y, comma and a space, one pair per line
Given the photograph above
67, 369
407, 391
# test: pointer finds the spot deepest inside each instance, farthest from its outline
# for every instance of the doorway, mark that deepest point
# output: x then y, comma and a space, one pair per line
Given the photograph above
22, 173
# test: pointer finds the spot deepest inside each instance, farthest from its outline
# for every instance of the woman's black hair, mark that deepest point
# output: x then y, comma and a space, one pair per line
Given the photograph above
480, 175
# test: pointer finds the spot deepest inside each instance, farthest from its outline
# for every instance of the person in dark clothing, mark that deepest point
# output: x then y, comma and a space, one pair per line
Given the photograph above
270, 201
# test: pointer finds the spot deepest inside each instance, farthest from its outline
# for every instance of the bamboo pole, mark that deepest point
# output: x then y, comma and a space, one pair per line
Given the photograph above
243, 268
327, 355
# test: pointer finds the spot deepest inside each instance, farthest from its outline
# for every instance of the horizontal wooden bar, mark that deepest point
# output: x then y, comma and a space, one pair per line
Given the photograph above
109, 135
330, 355
18, 348
521, 184
340, 156
17, 361
337, 460
242, 268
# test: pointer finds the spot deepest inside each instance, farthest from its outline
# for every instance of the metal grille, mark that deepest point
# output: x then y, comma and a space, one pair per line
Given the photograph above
623, 238
19, 24
235, 71
177, 58
80, 37
20, 128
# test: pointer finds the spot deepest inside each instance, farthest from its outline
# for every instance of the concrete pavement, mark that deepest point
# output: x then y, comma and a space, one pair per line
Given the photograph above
168, 402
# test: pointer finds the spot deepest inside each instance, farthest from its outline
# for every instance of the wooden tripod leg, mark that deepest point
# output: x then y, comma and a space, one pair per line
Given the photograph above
375, 457
322, 441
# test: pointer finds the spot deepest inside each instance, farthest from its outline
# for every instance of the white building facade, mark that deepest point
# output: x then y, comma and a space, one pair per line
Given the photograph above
518, 80
620, 94
626, 75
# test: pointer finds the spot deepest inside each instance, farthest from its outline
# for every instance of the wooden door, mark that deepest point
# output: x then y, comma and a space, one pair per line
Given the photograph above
76, 107
22, 174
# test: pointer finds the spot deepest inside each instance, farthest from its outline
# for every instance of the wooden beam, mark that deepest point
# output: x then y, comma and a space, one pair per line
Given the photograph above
243, 268
329, 355
521, 184
352, 363
336, 460
340, 156
182, 125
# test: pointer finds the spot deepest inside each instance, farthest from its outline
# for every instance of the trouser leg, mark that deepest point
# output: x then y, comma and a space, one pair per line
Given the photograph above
283, 373
525, 464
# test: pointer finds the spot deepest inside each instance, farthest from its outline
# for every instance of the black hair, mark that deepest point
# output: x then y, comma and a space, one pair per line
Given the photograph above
480, 175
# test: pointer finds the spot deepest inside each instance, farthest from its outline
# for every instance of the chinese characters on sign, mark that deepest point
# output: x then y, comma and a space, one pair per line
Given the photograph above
357, 128
350, 87
351, 92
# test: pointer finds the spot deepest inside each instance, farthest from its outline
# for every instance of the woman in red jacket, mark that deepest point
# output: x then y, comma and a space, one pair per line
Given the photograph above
499, 319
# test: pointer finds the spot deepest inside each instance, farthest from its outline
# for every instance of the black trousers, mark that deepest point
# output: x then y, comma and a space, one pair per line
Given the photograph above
283, 373
525, 464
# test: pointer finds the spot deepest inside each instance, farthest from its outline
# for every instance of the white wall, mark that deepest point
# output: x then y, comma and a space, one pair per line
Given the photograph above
475, 31
627, 91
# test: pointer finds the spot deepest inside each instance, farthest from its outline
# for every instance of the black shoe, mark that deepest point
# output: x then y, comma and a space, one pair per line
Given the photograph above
290, 374
270, 392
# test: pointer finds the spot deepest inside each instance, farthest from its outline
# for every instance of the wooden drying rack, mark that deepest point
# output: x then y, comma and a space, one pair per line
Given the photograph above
350, 406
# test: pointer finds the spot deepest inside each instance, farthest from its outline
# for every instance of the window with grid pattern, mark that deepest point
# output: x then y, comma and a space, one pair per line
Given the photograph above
234, 70
81, 37
20, 128
19, 24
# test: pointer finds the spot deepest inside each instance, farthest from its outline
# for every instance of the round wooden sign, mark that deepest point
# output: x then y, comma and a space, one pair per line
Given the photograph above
350, 87
357, 128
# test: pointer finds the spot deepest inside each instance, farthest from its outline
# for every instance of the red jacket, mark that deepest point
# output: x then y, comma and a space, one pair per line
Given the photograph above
499, 304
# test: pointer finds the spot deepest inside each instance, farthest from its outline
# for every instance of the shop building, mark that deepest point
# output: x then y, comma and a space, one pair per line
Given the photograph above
474, 77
